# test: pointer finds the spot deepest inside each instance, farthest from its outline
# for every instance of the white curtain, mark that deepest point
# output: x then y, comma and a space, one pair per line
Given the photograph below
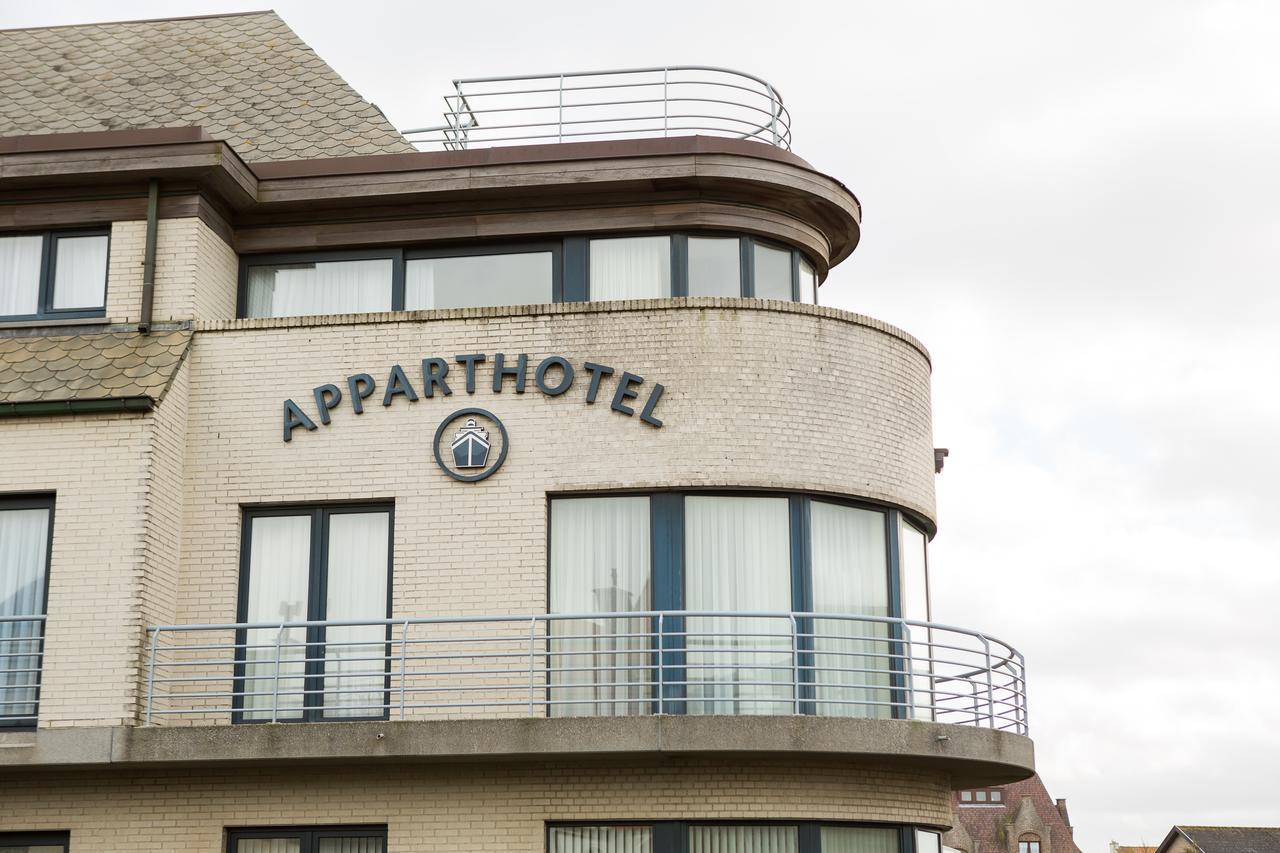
357, 589
851, 577
928, 842
772, 273
327, 287
915, 605
630, 268
20, 275
808, 283
518, 278
279, 574
744, 839
738, 558
601, 839
268, 845
849, 839
600, 564
80, 272
24, 551
715, 266
351, 845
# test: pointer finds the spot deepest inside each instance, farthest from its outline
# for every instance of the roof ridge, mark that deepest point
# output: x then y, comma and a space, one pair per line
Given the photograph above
142, 21
1220, 826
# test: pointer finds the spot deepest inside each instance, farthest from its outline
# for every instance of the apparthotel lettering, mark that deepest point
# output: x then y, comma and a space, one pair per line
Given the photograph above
553, 376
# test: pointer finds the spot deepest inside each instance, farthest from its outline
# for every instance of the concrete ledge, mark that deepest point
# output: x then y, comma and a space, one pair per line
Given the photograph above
970, 756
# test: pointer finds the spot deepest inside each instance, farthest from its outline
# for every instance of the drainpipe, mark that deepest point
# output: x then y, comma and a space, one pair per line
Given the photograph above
149, 258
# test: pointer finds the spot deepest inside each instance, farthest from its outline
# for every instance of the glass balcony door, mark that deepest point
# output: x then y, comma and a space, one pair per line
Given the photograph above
24, 565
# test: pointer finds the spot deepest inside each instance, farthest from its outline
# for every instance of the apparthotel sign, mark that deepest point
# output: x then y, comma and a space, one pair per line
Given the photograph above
553, 376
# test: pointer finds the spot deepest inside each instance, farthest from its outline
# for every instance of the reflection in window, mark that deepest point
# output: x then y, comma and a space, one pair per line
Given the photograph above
630, 268
715, 266
772, 272
600, 839
858, 839
470, 281
321, 287
80, 272
744, 839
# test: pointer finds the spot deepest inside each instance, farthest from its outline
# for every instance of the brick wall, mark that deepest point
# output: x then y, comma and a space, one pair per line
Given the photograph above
195, 272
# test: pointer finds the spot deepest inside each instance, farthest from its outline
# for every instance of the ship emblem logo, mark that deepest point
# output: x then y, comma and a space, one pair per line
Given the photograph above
471, 446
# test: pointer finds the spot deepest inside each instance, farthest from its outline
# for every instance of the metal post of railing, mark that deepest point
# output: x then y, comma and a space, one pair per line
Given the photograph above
909, 698
991, 696
773, 112
662, 645
666, 103
795, 663
560, 117
533, 628
275, 689
404, 661
151, 674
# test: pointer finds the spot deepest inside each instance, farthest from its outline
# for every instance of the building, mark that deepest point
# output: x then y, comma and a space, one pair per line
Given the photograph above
355, 497
1121, 848
1019, 817
1221, 839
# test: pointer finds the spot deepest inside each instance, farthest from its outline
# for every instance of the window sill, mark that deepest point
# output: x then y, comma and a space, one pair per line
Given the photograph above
51, 323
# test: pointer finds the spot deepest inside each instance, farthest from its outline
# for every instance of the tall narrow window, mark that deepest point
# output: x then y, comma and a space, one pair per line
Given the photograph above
928, 842
600, 839
772, 272
808, 283
600, 565
79, 272
850, 576
915, 607
1029, 843
319, 287
630, 268
738, 558
744, 839
321, 840
20, 259
858, 839
24, 568
311, 565
715, 266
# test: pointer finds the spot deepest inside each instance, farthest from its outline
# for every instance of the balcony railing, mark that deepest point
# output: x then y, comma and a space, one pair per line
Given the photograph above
591, 664
21, 659
580, 106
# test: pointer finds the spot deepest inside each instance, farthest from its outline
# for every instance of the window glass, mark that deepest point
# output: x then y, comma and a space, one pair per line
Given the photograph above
309, 841
928, 842
744, 839
1029, 846
477, 280
915, 606
980, 796
20, 275
350, 845
279, 574
80, 272
356, 587
996, 796
715, 266
737, 558
630, 268
850, 576
600, 564
268, 845
600, 839
322, 287
772, 272
808, 283
966, 796
858, 839
24, 554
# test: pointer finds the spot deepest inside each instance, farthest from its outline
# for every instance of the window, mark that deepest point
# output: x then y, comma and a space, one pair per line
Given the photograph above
25, 538
928, 842
808, 280
313, 840
774, 837
630, 268
600, 839
744, 839
34, 842
311, 564
1029, 843
982, 796
915, 606
54, 275
474, 280
715, 266
338, 286
772, 272
760, 554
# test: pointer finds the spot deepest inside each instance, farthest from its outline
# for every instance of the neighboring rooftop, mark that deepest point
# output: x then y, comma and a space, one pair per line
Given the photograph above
246, 78
1224, 839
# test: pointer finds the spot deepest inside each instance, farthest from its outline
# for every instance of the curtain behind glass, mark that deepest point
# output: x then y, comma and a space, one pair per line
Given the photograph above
850, 576
738, 558
39, 848
744, 839
600, 564
20, 275
328, 287
859, 839
772, 273
600, 839
24, 551
351, 845
928, 842
915, 605
630, 268
518, 278
357, 589
808, 283
268, 845
80, 272
279, 571
715, 266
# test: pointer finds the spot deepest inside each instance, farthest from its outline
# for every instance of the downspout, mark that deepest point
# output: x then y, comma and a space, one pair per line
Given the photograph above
149, 257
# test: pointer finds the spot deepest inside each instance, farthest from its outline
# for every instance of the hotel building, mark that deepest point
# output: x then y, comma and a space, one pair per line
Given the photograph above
502, 485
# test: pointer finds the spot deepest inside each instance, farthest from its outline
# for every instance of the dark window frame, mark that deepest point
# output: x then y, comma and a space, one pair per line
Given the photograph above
37, 839
396, 256
48, 273
667, 578
672, 836
307, 836
317, 603
33, 501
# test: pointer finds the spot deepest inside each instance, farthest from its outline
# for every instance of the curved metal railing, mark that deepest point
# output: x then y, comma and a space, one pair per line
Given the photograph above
578, 106
586, 664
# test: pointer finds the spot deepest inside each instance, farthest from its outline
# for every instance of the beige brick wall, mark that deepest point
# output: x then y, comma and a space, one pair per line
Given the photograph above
455, 808
195, 272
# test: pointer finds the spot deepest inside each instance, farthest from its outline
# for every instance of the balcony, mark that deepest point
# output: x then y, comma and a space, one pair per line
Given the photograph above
668, 663
601, 106
21, 659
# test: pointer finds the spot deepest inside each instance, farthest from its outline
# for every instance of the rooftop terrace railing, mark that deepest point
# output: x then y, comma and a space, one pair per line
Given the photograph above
578, 106
590, 664
21, 659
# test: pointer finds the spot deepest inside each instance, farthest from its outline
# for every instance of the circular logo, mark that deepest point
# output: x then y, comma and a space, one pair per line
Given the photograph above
470, 444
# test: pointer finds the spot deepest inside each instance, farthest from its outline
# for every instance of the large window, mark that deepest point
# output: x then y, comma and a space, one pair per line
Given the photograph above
630, 268
25, 536
339, 839
774, 837
311, 564
34, 842
53, 275
349, 286
467, 279
742, 553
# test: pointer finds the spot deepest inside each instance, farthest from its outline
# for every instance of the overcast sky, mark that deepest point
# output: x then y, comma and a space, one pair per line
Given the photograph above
1076, 206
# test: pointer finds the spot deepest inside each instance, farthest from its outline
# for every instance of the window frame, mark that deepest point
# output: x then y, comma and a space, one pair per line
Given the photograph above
35, 501
48, 273
58, 838
395, 255
672, 836
555, 247
317, 604
308, 836
667, 578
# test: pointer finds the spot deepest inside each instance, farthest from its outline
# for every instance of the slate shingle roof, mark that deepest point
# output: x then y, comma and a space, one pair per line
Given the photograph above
57, 368
247, 79
1234, 839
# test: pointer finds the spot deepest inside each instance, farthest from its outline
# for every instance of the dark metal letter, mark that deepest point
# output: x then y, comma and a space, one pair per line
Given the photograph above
522, 367
625, 392
434, 370
294, 418
540, 376
647, 414
361, 386
327, 397
470, 361
398, 383
596, 370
